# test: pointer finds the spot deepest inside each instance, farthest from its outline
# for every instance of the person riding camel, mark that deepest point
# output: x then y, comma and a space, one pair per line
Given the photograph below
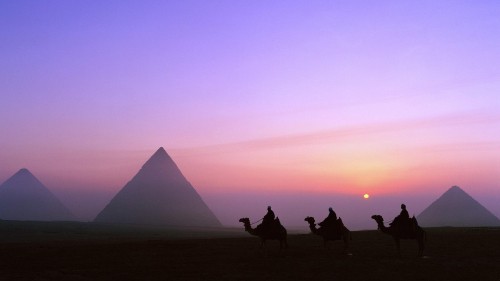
268, 219
330, 220
403, 219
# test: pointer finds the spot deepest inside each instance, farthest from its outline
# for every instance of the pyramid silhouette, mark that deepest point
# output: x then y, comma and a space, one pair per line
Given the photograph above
24, 197
158, 195
457, 208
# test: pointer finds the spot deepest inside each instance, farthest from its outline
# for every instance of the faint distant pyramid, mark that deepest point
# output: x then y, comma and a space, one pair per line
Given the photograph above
158, 195
457, 208
24, 197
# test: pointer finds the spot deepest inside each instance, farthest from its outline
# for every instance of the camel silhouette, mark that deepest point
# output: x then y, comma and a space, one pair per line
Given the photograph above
417, 233
273, 232
338, 232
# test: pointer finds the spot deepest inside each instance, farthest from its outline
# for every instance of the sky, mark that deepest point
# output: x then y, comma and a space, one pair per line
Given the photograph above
301, 105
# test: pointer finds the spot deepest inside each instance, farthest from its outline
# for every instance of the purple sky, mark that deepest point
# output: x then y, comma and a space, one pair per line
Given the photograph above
276, 102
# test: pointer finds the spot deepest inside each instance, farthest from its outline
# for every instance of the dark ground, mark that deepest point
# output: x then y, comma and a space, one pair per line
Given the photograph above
83, 251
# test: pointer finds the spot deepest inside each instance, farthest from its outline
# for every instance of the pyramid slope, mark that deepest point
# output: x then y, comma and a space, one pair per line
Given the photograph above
158, 194
457, 208
24, 197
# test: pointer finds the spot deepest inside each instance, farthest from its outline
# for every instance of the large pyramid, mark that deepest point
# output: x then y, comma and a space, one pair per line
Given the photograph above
158, 195
457, 208
24, 197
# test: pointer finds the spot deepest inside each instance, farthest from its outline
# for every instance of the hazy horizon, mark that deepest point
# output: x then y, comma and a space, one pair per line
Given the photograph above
291, 207
288, 104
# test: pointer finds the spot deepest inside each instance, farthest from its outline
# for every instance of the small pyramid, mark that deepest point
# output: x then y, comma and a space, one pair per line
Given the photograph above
457, 208
158, 194
24, 197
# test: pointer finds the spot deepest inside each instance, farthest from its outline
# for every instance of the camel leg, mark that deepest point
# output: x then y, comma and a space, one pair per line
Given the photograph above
421, 243
346, 244
420, 247
283, 244
398, 246
263, 248
347, 237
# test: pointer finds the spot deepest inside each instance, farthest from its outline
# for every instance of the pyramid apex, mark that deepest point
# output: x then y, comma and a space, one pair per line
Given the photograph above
161, 150
23, 171
455, 189
160, 153
158, 159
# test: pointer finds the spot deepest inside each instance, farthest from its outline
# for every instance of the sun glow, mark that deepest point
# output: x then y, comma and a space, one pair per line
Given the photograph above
366, 196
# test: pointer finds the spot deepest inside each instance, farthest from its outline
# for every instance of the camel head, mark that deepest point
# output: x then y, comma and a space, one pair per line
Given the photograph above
310, 220
379, 219
245, 220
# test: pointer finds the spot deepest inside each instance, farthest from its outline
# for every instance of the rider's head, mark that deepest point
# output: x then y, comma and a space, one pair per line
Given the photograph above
330, 209
269, 208
403, 206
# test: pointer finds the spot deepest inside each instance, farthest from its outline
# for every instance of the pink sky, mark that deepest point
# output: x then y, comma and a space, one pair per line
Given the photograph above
268, 100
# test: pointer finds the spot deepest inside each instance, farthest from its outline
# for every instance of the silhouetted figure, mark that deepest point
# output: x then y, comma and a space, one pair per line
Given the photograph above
330, 220
402, 220
268, 219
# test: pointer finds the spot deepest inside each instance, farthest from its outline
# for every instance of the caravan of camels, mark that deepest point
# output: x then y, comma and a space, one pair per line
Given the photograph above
333, 228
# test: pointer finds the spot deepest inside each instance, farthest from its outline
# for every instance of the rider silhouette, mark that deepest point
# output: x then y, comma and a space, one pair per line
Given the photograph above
330, 220
269, 217
402, 219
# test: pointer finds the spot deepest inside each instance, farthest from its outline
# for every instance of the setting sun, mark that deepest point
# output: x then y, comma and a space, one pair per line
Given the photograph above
366, 196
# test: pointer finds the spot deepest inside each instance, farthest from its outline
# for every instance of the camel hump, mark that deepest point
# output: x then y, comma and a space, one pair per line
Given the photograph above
414, 223
414, 220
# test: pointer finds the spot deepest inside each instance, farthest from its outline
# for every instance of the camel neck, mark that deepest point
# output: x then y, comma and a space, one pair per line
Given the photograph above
383, 228
313, 228
249, 229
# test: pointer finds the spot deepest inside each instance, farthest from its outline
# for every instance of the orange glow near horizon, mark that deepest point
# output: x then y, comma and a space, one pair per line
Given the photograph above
343, 167
330, 169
